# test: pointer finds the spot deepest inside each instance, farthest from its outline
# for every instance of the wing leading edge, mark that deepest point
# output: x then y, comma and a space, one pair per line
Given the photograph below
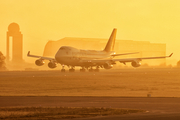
140, 59
40, 57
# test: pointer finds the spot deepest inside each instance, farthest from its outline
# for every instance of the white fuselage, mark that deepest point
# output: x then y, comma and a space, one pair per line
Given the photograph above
73, 57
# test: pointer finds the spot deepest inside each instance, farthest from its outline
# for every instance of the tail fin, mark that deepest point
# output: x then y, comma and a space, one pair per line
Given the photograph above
110, 45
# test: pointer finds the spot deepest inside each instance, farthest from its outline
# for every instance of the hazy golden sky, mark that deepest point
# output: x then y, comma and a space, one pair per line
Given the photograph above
157, 21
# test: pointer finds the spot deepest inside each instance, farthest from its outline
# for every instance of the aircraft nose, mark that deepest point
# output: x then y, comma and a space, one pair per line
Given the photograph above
58, 55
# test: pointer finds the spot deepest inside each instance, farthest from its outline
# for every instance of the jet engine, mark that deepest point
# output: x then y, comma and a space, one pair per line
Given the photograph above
107, 66
52, 65
136, 64
39, 62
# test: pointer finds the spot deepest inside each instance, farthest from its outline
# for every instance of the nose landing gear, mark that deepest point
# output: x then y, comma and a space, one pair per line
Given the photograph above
63, 70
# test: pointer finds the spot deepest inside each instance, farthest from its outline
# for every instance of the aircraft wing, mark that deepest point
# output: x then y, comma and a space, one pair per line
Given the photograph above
40, 57
97, 61
139, 59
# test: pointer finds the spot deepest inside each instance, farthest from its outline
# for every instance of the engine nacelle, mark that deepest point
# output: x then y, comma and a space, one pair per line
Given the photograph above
39, 62
136, 64
107, 66
52, 65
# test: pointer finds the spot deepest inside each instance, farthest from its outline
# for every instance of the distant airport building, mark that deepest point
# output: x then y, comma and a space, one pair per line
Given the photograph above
145, 48
15, 37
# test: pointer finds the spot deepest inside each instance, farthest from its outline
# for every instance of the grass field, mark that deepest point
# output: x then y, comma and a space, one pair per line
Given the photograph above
32, 113
116, 82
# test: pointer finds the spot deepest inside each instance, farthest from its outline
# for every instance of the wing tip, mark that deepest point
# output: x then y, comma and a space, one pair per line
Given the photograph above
28, 53
170, 54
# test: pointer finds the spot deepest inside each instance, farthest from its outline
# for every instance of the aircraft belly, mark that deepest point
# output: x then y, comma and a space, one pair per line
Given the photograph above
69, 61
81, 61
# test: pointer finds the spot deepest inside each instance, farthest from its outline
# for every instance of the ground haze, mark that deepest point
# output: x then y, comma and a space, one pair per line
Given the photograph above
116, 82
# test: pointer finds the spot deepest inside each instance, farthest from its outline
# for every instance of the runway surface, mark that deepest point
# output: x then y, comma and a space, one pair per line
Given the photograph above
156, 108
118, 88
115, 83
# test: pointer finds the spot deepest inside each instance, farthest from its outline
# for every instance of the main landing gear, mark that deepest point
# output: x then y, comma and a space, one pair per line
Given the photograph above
82, 70
71, 70
90, 69
94, 70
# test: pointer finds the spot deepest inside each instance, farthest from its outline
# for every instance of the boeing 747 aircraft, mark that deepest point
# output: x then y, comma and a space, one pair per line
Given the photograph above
89, 59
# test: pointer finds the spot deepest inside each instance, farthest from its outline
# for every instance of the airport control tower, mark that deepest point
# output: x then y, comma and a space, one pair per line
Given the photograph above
17, 43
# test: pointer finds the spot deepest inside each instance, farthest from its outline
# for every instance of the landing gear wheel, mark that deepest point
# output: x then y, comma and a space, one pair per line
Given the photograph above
63, 70
82, 70
71, 70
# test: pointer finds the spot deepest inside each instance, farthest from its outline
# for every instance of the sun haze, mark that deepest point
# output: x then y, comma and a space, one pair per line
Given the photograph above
43, 20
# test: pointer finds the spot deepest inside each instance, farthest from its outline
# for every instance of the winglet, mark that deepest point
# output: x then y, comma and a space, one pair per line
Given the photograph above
28, 53
170, 54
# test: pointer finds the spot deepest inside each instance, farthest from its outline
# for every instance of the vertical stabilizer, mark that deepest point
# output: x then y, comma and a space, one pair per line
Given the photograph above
110, 45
